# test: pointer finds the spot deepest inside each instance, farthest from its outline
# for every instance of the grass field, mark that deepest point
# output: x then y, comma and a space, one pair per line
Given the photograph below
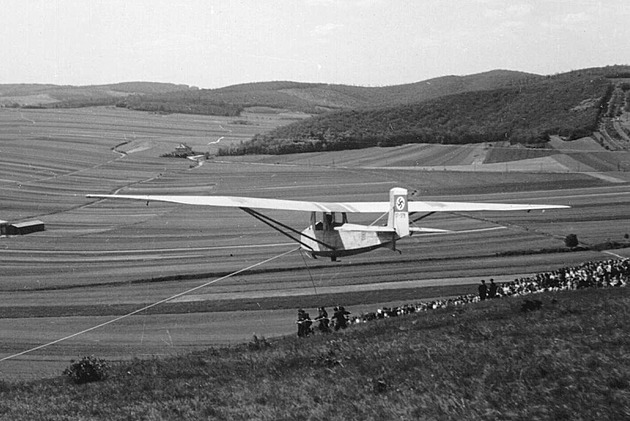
489, 360
100, 258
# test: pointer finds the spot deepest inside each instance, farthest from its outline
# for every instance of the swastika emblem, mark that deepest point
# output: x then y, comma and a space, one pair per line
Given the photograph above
400, 203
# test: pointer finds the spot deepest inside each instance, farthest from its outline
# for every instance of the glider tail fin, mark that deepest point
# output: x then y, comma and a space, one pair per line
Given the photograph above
398, 212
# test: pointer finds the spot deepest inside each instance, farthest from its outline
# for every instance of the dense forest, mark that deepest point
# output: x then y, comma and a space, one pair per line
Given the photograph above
186, 102
568, 104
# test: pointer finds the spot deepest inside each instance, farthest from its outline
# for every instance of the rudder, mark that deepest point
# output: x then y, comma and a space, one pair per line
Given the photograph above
398, 211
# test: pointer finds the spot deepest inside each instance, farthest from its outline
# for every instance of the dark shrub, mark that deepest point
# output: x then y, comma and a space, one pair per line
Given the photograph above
571, 241
88, 369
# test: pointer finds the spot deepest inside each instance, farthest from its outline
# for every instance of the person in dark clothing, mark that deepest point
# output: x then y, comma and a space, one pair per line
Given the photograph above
340, 318
323, 320
304, 324
483, 290
492, 289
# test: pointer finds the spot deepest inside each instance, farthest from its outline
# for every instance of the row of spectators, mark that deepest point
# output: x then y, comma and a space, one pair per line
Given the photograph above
608, 273
602, 274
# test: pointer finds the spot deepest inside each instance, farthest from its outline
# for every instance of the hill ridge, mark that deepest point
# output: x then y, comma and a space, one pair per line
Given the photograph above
275, 94
527, 110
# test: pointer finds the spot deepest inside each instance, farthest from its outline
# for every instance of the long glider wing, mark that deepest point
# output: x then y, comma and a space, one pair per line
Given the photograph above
257, 203
305, 206
422, 206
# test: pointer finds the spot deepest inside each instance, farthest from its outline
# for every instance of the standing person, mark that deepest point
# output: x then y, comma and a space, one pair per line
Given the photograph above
333, 319
492, 289
483, 290
304, 324
307, 324
340, 318
322, 318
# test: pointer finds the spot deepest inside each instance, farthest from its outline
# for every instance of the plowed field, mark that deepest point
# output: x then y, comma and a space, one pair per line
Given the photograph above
101, 259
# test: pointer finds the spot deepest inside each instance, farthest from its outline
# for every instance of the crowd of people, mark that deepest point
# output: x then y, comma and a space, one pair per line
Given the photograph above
601, 274
608, 273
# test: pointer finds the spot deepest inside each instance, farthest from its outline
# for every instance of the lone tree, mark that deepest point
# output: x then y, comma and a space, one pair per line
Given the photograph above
571, 241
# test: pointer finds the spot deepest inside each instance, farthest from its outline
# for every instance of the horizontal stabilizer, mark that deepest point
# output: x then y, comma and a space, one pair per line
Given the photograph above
429, 230
364, 228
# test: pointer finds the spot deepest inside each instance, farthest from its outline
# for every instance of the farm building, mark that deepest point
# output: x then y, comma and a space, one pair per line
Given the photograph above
23, 228
184, 149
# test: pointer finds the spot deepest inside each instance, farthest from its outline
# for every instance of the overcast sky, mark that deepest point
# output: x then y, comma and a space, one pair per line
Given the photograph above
215, 43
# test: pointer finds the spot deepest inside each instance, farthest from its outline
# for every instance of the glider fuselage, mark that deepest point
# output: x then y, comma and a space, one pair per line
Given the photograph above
344, 243
325, 239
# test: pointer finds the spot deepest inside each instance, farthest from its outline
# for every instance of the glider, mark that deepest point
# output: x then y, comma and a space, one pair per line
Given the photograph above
334, 237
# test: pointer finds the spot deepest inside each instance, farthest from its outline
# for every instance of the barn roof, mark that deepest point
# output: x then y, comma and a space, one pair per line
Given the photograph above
27, 224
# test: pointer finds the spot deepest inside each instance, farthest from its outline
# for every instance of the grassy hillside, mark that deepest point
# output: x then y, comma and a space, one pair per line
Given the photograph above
568, 105
488, 360
41, 95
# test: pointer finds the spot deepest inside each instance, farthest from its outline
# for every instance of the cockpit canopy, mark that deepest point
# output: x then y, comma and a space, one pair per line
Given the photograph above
329, 221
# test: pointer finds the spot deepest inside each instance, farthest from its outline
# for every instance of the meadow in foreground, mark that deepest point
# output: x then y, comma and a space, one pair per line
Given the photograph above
569, 359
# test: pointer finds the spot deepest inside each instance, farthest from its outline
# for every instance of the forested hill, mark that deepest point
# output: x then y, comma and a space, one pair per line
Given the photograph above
527, 112
311, 98
314, 98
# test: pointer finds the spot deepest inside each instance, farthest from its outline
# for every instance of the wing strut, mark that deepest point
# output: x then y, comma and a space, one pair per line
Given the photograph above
422, 217
272, 223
